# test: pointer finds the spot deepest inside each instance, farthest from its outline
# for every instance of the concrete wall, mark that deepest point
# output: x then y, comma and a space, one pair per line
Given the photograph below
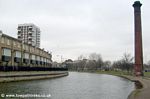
21, 76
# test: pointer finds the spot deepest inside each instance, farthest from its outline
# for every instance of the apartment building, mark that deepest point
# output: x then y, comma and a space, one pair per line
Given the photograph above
29, 33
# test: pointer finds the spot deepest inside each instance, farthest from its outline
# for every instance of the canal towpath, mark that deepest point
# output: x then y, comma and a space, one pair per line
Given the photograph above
140, 93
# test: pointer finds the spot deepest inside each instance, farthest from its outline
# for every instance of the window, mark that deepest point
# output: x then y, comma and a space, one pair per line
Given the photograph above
8, 42
42, 59
14, 43
6, 52
2, 40
26, 55
33, 57
38, 58
36, 50
19, 46
32, 49
23, 46
26, 47
18, 54
47, 61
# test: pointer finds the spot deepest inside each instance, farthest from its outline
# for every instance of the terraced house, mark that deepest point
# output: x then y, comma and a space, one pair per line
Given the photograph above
16, 55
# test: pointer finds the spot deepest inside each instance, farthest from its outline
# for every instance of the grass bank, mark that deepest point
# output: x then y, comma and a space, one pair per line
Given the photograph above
146, 74
115, 73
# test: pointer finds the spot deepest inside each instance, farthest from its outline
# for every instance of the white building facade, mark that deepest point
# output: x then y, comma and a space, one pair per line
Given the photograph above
29, 33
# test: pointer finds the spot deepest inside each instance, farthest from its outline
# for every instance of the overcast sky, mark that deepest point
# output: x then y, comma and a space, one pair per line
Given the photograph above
70, 28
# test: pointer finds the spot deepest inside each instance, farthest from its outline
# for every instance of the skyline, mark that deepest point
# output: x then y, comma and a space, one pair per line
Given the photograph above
71, 28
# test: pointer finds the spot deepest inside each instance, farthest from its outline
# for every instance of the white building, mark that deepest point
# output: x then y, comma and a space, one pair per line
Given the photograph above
29, 33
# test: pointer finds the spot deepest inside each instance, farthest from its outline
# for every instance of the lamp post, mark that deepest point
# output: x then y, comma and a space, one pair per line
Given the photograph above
61, 57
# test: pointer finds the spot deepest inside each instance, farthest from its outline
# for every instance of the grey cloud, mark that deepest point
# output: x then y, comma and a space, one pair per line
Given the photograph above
74, 27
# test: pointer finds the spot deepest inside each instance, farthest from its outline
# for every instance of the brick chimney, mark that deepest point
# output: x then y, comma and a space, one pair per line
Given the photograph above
138, 66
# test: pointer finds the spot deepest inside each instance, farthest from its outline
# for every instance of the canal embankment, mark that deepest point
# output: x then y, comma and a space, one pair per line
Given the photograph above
30, 75
142, 84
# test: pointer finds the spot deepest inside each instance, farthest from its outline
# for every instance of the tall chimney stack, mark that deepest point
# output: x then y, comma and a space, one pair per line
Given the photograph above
138, 66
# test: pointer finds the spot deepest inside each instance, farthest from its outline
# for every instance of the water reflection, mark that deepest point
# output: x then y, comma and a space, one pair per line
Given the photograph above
74, 86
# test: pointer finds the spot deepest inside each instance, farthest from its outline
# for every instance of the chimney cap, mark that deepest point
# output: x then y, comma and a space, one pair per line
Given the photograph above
137, 4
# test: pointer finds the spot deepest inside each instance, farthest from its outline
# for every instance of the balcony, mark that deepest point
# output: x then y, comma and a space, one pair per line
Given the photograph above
30, 28
19, 36
19, 28
29, 43
19, 32
30, 33
30, 38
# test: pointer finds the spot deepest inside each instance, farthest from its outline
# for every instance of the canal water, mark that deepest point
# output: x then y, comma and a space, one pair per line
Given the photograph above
75, 86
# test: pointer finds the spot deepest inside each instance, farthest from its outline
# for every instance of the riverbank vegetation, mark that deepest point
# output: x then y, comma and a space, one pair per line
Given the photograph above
114, 72
95, 63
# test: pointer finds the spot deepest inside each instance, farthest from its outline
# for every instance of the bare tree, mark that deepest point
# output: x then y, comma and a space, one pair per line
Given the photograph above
126, 63
97, 59
107, 65
81, 57
117, 65
91, 65
94, 56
